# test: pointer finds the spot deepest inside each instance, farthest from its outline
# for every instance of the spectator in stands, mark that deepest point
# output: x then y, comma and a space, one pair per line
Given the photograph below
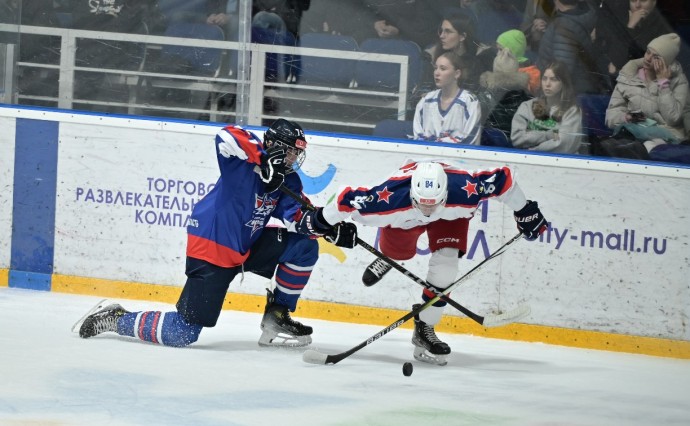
327, 16
122, 16
650, 96
279, 21
279, 15
502, 92
406, 19
456, 34
516, 42
496, 17
551, 122
626, 27
455, 7
537, 16
568, 39
450, 113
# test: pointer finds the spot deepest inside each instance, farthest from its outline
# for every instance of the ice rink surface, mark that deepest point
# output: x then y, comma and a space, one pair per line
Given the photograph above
49, 376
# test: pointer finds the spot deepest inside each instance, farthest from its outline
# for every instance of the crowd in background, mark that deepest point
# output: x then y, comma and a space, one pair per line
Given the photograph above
507, 73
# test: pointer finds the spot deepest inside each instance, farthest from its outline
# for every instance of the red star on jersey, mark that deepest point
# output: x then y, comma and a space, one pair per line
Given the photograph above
470, 188
384, 195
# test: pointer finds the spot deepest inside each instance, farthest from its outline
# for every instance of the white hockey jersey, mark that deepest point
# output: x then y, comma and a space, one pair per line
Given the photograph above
460, 123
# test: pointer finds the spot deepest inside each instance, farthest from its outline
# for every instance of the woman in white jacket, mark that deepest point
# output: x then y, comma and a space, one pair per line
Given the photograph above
551, 122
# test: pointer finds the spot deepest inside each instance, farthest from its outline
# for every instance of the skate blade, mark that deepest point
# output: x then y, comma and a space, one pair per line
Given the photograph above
421, 354
100, 305
280, 340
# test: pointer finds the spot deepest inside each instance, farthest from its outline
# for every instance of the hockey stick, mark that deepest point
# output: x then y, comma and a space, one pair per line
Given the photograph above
315, 357
487, 321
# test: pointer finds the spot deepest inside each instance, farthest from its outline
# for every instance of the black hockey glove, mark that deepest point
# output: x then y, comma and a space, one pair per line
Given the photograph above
273, 167
530, 221
343, 234
313, 223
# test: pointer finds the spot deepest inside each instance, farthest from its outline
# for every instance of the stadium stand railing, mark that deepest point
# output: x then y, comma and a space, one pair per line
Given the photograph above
131, 85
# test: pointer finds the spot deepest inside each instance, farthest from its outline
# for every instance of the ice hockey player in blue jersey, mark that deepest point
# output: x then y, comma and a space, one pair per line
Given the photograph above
439, 199
228, 235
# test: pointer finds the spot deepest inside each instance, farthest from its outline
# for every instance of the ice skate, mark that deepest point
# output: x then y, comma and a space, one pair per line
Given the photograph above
101, 321
279, 329
375, 271
428, 347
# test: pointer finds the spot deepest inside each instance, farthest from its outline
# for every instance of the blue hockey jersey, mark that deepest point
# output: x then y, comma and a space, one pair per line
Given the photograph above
230, 218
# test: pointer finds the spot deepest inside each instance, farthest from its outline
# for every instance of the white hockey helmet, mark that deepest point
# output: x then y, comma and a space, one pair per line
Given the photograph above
428, 187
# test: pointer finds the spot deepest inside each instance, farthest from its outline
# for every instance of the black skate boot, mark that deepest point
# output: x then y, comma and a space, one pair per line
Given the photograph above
101, 321
375, 271
428, 347
279, 329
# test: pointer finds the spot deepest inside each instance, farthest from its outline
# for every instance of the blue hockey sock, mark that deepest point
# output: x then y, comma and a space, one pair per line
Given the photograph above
165, 328
290, 281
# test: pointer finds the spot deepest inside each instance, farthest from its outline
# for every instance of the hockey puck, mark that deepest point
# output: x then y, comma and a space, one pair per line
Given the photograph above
407, 369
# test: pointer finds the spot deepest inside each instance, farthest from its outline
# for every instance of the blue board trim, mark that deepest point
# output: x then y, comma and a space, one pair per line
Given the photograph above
30, 280
33, 210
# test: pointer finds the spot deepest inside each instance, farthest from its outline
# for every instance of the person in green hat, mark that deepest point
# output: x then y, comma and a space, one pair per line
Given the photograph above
516, 42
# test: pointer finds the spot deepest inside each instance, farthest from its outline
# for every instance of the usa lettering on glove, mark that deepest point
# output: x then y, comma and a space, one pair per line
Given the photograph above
530, 221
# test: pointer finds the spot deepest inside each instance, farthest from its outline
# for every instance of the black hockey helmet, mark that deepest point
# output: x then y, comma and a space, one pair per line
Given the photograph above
291, 135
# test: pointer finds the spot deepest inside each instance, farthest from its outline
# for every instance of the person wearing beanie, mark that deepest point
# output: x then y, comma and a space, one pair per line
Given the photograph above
501, 93
516, 42
667, 46
652, 90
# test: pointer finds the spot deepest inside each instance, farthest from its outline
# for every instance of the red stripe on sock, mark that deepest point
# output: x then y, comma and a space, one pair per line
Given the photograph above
155, 326
142, 321
288, 285
293, 272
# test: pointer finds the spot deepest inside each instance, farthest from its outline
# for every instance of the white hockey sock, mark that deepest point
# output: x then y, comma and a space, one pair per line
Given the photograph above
431, 315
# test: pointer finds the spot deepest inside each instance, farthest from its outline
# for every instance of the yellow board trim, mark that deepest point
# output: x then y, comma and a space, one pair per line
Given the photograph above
4, 277
379, 316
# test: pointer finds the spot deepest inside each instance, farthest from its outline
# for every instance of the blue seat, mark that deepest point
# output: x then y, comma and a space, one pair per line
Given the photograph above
396, 129
386, 76
328, 71
495, 137
199, 60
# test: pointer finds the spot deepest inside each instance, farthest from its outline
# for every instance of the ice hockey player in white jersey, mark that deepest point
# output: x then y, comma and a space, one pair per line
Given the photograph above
439, 199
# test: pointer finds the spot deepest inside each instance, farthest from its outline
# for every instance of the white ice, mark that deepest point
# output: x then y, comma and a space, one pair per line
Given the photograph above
49, 376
